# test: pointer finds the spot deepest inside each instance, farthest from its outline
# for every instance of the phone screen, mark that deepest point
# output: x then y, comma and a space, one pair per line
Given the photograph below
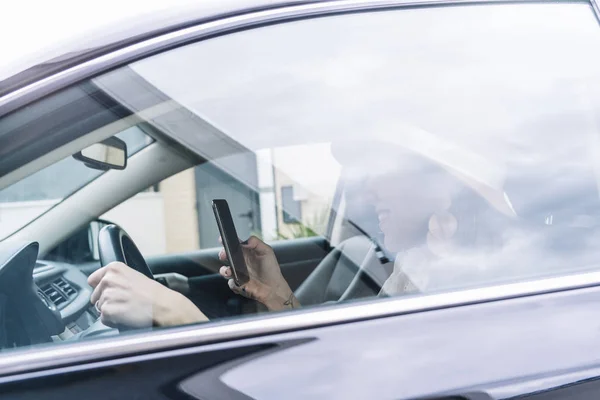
231, 242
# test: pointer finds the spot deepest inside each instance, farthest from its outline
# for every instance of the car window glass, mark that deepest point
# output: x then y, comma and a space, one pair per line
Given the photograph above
468, 150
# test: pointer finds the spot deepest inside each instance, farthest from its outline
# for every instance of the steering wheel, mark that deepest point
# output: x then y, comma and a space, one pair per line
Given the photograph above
114, 244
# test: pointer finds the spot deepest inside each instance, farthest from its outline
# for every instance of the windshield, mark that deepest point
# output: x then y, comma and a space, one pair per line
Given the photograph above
29, 198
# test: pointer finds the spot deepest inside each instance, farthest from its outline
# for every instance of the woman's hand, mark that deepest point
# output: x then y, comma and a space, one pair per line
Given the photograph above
126, 297
266, 285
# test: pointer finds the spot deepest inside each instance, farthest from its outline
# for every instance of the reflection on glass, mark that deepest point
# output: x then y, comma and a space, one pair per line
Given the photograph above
474, 144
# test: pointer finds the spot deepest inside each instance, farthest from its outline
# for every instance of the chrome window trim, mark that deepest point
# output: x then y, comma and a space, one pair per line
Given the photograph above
146, 48
25, 361
596, 7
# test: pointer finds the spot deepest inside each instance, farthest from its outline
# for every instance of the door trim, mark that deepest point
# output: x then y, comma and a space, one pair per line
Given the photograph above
596, 7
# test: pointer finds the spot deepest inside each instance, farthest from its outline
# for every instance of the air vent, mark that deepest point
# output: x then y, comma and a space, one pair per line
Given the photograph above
59, 291
53, 294
65, 287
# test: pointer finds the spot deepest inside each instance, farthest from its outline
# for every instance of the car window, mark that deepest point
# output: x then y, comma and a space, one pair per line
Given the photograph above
401, 152
31, 197
467, 150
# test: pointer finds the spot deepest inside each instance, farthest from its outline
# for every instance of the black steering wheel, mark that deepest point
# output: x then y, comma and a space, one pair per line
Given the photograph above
114, 244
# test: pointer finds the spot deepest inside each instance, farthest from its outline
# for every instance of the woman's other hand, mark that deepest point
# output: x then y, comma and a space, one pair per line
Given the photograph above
126, 297
266, 285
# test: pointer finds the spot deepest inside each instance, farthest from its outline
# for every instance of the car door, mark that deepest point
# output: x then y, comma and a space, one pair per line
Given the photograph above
505, 101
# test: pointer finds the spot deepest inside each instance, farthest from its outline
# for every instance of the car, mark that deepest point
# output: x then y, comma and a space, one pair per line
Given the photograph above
424, 175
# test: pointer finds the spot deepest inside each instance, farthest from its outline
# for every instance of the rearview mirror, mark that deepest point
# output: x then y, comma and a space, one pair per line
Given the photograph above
108, 154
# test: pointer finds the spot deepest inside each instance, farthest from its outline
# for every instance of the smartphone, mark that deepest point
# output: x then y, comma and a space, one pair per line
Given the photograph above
231, 242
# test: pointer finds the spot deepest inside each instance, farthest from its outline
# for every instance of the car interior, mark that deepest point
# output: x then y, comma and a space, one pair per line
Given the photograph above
45, 263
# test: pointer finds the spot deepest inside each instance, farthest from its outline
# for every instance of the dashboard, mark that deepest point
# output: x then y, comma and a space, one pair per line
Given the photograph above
43, 300
64, 287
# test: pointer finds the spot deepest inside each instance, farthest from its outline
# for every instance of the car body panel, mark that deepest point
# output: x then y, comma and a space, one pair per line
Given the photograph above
538, 344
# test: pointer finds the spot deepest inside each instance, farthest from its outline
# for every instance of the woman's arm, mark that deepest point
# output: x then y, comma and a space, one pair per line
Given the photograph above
126, 297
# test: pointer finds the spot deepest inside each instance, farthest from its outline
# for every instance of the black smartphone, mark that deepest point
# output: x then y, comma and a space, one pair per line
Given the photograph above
231, 242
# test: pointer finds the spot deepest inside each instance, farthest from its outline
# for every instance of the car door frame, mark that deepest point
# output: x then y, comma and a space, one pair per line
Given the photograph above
23, 364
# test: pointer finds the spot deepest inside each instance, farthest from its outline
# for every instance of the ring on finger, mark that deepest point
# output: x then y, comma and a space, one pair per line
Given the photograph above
97, 306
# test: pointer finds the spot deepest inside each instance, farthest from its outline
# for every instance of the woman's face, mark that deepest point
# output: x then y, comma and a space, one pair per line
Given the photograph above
405, 199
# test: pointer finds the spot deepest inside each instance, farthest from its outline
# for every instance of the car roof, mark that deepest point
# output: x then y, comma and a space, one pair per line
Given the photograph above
63, 33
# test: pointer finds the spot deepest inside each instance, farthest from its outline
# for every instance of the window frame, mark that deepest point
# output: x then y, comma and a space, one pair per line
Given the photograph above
23, 361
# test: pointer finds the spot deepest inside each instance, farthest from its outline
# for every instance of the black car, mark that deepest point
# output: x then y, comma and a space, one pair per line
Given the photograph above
423, 179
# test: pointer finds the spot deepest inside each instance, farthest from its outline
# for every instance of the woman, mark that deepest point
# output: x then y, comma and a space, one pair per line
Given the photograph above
436, 220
